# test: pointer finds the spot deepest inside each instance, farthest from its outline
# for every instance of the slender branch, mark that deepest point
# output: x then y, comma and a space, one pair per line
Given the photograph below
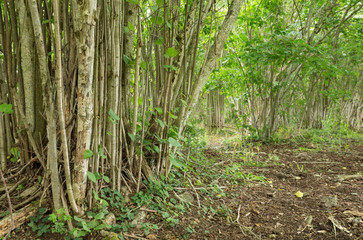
10, 207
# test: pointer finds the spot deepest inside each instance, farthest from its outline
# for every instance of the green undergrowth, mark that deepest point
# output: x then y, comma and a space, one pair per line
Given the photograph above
208, 175
328, 137
164, 200
316, 140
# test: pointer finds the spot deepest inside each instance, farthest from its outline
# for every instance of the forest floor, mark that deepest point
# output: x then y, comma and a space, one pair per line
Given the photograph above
330, 179
287, 190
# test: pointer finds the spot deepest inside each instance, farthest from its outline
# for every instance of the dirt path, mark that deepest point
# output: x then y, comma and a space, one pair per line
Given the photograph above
330, 208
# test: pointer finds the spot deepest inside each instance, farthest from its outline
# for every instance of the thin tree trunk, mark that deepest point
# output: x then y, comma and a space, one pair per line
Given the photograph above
84, 17
212, 57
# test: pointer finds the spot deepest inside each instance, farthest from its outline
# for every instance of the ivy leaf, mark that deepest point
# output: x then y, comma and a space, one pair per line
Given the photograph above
174, 142
87, 154
91, 177
171, 52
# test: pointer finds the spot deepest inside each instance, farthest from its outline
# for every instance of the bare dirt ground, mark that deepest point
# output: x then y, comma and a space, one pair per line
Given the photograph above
330, 208
279, 191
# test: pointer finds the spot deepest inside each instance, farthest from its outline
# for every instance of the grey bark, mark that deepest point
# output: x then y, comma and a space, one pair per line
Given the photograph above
84, 16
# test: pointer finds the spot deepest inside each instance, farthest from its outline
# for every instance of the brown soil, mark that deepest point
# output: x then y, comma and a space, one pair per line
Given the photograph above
331, 207
271, 210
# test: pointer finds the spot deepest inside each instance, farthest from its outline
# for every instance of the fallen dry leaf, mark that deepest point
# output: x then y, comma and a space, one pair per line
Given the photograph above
299, 194
151, 237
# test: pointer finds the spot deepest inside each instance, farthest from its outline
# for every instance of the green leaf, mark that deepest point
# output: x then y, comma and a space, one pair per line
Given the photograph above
160, 111
143, 65
113, 115
78, 219
171, 52
176, 162
160, 2
102, 226
20, 130
160, 20
126, 59
161, 123
139, 100
87, 154
172, 115
100, 152
133, 1
131, 27
91, 177
42, 210
158, 42
132, 136
156, 148
100, 216
78, 233
126, 30
184, 102
93, 224
107, 179
6, 108
170, 67
174, 142
168, 24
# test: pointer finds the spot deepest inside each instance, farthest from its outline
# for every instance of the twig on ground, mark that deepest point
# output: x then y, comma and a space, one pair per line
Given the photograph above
195, 191
133, 236
10, 207
148, 210
319, 162
239, 211
336, 225
21, 170
198, 188
13, 188
240, 227
28, 200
